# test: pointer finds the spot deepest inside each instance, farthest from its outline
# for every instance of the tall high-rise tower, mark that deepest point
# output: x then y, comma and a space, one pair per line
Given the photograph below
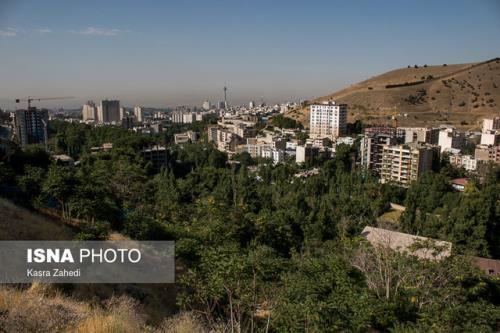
225, 96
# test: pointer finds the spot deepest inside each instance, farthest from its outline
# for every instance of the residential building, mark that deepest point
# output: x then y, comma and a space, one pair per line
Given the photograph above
186, 137
276, 155
491, 124
177, 117
468, 162
405, 163
206, 105
128, 122
450, 138
372, 147
138, 113
188, 117
30, 126
305, 153
157, 156
108, 112
487, 153
490, 138
420, 134
89, 111
328, 120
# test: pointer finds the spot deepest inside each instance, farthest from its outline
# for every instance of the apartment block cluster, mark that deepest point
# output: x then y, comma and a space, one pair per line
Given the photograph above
236, 132
401, 154
110, 112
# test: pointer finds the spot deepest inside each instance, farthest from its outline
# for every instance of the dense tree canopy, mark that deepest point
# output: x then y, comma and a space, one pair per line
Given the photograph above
262, 249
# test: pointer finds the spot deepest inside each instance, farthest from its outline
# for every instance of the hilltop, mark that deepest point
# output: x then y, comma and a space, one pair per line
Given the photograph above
460, 95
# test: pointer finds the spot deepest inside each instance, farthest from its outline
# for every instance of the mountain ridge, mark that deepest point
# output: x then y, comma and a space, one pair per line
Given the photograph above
456, 94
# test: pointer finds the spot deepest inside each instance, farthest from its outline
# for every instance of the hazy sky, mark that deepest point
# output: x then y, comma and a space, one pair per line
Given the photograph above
165, 53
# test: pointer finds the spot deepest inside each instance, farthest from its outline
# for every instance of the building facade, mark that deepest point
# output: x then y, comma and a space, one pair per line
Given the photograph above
328, 120
30, 126
403, 164
138, 113
372, 148
108, 112
89, 111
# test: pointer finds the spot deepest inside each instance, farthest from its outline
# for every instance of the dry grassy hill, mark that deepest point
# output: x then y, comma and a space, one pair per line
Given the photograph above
18, 223
460, 95
157, 301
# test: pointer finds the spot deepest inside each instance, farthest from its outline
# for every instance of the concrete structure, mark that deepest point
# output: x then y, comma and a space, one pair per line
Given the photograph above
138, 113
185, 137
128, 122
468, 162
157, 155
405, 243
276, 155
371, 150
63, 159
487, 153
491, 124
420, 134
89, 111
206, 105
30, 126
450, 138
490, 138
108, 112
305, 153
405, 163
328, 120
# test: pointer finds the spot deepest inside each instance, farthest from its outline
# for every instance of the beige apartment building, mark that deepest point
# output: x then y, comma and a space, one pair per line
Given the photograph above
404, 163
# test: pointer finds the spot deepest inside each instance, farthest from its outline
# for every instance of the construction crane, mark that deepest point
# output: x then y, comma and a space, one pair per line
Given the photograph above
45, 125
30, 99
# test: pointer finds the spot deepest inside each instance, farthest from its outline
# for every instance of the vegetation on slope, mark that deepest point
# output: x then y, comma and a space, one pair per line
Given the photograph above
460, 95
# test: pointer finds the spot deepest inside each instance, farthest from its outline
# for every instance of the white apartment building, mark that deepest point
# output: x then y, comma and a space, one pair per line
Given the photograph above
328, 120
468, 162
404, 163
490, 138
89, 112
491, 124
450, 138
139, 116
206, 105
276, 155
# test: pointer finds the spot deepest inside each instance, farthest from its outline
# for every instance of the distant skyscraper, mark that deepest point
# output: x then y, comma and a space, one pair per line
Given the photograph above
206, 105
89, 111
251, 105
138, 114
123, 113
31, 126
225, 97
222, 105
109, 111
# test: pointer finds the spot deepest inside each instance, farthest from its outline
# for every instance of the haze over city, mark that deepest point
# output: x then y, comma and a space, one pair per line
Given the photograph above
167, 53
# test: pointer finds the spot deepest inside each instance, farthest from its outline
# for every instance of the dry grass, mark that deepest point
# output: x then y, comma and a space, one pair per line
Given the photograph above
464, 97
42, 308
18, 223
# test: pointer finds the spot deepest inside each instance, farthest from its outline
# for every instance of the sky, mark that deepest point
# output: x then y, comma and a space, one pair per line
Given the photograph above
168, 53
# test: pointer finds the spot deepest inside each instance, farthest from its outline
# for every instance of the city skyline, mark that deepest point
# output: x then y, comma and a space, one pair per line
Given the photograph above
165, 54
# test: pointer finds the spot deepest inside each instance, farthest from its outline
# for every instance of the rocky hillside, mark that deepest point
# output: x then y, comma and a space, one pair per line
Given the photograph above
460, 95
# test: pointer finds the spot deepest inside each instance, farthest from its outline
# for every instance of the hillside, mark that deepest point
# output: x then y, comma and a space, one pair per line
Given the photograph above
460, 95
18, 223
